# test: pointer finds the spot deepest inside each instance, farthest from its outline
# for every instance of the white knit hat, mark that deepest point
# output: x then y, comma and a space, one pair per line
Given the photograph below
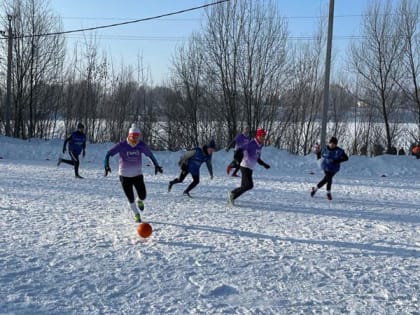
134, 130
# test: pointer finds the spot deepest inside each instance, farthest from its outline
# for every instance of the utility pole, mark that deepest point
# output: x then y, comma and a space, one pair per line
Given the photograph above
9, 76
327, 74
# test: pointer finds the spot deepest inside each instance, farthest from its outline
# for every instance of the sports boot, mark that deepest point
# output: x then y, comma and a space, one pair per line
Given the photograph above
140, 204
230, 198
171, 183
134, 208
137, 218
186, 193
329, 197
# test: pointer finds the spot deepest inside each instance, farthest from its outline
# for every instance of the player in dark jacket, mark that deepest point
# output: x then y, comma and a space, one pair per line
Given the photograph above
332, 156
240, 140
191, 162
76, 145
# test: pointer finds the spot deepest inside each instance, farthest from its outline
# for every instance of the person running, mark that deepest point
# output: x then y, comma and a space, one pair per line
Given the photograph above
252, 156
238, 153
190, 163
130, 168
76, 145
332, 156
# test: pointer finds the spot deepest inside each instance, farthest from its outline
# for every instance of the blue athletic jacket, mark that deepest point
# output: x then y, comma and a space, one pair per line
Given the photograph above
331, 158
194, 158
77, 142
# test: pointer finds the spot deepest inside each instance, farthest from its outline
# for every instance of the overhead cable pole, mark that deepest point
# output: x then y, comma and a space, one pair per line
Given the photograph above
9, 76
327, 73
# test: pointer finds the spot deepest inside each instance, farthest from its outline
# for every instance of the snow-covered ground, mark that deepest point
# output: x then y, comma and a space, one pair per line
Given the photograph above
69, 246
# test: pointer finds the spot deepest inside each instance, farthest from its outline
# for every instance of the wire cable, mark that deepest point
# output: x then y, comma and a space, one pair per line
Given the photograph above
124, 23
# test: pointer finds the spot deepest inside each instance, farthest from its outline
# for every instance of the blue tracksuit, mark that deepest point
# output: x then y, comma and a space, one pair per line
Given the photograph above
76, 141
194, 162
332, 159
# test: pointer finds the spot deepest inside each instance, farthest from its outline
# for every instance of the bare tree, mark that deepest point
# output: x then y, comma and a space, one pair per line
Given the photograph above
301, 104
188, 69
376, 58
37, 63
245, 51
121, 105
146, 108
341, 102
86, 80
410, 83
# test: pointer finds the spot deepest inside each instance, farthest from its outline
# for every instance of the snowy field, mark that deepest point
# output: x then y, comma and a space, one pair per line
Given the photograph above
69, 246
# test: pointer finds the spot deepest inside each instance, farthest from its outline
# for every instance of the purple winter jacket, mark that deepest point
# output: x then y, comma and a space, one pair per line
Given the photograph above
130, 159
252, 153
238, 141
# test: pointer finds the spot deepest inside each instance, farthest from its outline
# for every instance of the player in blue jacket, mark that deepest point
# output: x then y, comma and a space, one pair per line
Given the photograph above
332, 156
190, 163
76, 145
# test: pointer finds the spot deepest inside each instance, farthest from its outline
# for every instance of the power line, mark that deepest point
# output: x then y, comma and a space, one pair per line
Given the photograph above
124, 23
180, 38
132, 37
120, 18
200, 19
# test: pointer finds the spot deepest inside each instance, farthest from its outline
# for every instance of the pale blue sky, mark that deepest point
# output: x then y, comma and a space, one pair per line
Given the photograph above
156, 40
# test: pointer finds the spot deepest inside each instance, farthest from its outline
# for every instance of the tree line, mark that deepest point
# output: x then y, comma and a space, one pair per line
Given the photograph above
240, 69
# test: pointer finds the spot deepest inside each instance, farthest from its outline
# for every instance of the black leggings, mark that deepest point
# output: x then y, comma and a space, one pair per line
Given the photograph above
128, 183
326, 180
74, 161
246, 182
180, 179
237, 159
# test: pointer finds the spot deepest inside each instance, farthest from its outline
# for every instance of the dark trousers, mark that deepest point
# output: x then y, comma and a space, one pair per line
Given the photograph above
127, 184
246, 182
326, 180
237, 159
180, 179
74, 161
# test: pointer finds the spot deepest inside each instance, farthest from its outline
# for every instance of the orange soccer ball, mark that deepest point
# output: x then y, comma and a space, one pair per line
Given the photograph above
416, 150
144, 229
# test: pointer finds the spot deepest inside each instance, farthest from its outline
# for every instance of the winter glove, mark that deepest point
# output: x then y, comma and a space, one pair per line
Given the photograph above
84, 153
265, 165
158, 169
107, 170
64, 150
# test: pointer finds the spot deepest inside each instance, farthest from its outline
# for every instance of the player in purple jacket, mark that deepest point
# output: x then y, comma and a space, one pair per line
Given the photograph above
238, 154
252, 156
130, 168
332, 156
77, 144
